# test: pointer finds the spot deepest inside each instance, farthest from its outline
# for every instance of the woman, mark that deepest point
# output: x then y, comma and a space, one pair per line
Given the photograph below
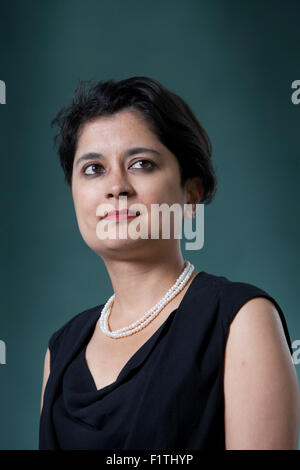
204, 363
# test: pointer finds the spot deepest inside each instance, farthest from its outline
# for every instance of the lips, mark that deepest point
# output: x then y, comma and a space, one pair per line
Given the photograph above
121, 213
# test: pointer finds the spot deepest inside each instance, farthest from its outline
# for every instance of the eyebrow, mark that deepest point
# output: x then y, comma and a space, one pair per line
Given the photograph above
127, 153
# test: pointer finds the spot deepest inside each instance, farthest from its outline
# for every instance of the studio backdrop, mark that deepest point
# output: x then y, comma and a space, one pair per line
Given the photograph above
236, 64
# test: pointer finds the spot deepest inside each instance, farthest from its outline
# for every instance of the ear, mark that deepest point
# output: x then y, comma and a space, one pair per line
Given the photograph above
193, 192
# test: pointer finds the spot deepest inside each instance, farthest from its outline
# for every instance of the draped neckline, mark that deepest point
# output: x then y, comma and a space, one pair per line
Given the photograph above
142, 352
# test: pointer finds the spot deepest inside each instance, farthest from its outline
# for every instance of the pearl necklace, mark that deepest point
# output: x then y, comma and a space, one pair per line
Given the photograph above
151, 314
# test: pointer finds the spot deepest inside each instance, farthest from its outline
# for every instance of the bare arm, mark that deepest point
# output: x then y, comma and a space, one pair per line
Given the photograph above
46, 374
261, 391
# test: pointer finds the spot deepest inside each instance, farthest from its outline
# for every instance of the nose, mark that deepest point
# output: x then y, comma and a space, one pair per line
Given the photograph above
118, 185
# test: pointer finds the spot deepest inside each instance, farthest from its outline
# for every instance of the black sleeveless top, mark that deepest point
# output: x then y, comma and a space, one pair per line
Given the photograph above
169, 395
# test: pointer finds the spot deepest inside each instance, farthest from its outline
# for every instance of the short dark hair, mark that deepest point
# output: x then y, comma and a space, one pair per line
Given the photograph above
168, 115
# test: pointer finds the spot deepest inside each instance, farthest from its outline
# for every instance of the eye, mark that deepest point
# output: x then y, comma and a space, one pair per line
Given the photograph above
89, 167
150, 164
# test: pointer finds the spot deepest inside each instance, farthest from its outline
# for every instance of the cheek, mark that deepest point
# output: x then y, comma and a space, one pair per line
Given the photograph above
85, 206
85, 209
169, 192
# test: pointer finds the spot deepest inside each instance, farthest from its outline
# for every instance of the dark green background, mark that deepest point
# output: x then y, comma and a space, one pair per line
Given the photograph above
233, 62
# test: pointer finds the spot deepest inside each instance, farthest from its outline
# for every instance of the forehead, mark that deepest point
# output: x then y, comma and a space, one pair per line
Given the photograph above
124, 126
118, 134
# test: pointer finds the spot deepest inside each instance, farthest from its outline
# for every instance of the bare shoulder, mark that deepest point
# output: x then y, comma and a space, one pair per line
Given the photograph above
261, 392
45, 375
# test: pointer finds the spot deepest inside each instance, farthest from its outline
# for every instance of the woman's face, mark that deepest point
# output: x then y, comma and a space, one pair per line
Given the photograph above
149, 176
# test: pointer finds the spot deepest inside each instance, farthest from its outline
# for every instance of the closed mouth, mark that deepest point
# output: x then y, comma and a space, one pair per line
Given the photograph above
123, 213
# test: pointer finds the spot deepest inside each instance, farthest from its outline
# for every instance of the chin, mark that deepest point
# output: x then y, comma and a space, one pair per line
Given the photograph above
118, 245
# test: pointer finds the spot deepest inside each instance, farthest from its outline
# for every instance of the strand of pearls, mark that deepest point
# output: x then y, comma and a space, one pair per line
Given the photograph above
151, 314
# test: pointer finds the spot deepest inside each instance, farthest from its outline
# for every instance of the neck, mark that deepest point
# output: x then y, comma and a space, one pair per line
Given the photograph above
139, 284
